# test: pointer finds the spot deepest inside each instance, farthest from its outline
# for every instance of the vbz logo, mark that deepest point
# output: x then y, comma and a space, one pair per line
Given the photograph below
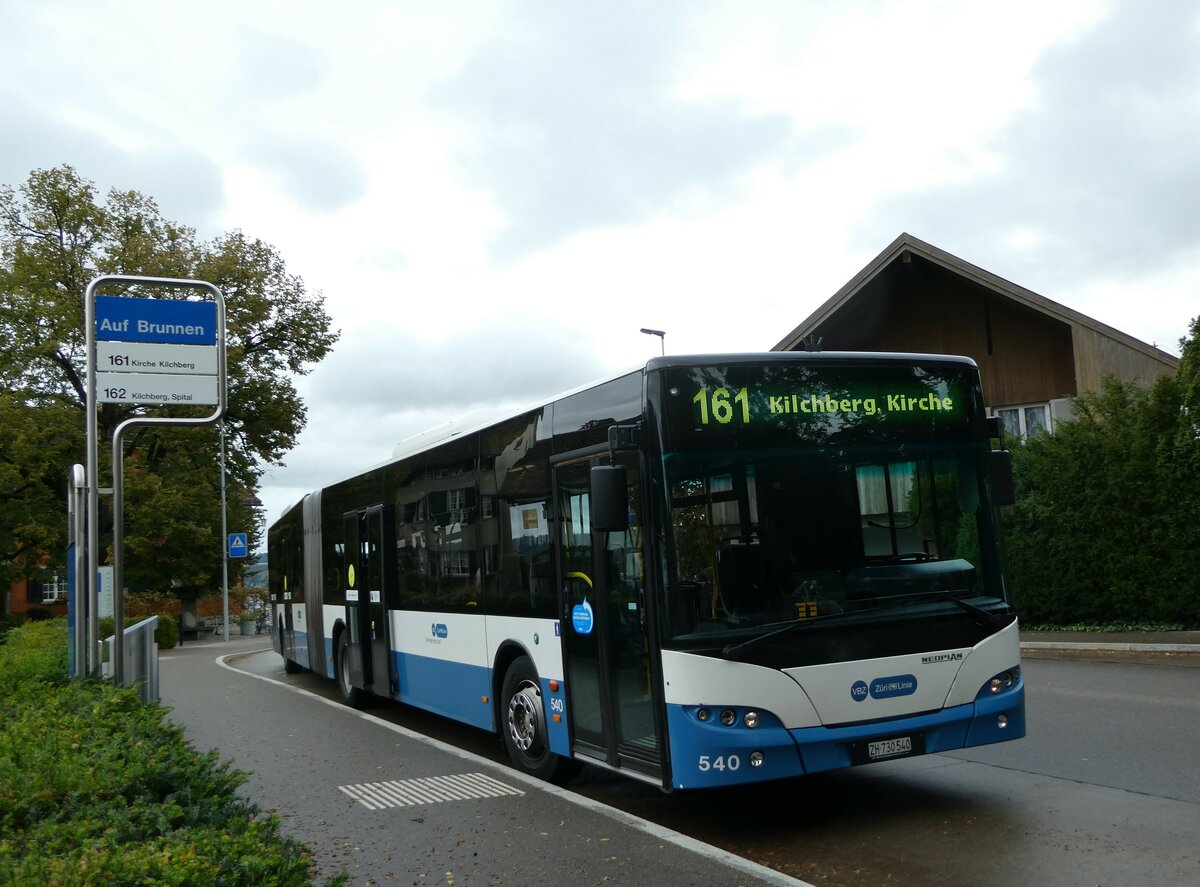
440, 630
858, 692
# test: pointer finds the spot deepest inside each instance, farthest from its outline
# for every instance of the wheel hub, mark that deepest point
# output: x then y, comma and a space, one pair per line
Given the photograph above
526, 724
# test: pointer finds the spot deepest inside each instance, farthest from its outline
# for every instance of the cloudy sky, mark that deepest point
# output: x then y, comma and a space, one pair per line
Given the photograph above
494, 197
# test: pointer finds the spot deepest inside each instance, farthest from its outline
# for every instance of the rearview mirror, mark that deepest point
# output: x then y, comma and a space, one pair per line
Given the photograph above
610, 504
1002, 486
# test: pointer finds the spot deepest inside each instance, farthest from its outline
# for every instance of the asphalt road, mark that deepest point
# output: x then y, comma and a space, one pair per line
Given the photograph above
1103, 791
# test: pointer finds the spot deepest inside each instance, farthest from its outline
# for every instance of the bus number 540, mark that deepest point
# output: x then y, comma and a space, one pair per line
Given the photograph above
719, 762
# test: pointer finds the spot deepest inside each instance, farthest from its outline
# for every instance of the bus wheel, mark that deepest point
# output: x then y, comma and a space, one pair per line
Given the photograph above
350, 694
524, 722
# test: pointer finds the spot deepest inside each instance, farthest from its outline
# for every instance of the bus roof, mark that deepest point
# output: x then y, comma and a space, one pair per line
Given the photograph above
479, 420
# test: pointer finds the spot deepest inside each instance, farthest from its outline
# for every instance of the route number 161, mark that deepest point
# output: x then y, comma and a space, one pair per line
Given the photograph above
721, 406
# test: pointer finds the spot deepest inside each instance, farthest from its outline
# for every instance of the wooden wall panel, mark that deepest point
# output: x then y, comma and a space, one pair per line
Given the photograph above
1097, 356
1026, 358
1024, 355
1032, 357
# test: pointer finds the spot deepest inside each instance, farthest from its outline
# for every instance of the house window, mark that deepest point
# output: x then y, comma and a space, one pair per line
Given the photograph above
1027, 420
1035, 420
54, 589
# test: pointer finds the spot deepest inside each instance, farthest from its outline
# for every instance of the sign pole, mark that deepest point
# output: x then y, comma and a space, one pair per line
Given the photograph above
224, 545
142, 320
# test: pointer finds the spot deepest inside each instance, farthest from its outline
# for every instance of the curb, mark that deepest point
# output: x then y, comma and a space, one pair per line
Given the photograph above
1111, 647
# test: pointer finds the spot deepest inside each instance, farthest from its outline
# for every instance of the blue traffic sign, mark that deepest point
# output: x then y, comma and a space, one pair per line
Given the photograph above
125, 319
237, 544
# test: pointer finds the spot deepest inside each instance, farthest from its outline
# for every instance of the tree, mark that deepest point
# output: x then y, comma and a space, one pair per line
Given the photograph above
1106, 527
55, 237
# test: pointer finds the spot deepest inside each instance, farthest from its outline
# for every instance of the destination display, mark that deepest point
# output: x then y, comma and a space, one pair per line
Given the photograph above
813, 401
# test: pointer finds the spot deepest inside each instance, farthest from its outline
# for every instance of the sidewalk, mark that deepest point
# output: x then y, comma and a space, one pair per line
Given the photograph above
385, 804
1136, 642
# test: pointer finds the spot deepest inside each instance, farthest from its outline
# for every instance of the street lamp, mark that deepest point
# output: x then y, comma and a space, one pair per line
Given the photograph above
224, 546
662, 337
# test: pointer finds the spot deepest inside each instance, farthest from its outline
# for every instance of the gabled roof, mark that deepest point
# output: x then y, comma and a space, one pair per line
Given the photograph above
904, 247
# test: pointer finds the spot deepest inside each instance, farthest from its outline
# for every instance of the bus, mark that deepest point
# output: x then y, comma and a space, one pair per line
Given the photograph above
712, 570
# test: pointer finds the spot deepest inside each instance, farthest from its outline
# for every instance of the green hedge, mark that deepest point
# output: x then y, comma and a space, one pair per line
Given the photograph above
1105, 528
99, 788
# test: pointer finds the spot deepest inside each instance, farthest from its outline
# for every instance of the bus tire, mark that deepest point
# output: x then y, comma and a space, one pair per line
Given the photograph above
523, 722
347, 692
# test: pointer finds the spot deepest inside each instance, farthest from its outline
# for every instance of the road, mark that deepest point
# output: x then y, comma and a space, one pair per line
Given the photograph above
1103, 791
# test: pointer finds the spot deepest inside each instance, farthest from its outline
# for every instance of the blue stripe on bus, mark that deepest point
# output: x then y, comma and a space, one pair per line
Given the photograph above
555, 703
300, 647
828, 748
446, 688
458, 691
708, 754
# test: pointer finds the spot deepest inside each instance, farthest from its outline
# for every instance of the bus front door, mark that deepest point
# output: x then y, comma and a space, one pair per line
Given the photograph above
601, 581
366, 577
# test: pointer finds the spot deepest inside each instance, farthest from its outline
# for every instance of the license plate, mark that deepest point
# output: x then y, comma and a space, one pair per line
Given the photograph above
896, 747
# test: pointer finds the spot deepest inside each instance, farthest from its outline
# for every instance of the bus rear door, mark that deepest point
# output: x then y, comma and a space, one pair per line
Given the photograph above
367, 575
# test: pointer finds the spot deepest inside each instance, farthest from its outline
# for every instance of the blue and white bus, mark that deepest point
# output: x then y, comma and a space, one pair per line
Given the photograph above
713, 570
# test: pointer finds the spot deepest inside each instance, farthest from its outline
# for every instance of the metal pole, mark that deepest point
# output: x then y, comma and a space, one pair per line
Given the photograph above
118, 558
92, 476
224, 544
77, 517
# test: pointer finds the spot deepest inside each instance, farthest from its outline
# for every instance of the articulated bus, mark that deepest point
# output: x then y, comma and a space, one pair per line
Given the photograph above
713, 570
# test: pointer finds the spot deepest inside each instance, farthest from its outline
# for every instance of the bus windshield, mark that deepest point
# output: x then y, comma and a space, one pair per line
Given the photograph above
845, 496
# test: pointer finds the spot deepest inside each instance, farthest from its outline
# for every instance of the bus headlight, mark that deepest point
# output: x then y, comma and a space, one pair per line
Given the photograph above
1004, 680
756, 759
728, 717
750, 719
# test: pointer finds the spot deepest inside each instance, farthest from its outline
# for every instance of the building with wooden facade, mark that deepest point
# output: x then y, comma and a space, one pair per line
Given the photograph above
1034, 354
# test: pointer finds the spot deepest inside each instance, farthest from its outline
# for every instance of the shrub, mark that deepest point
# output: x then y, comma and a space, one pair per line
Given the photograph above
1104, 528
97, 787
34, 652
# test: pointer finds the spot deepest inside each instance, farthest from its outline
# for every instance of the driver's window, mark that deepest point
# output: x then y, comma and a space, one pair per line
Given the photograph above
889, 507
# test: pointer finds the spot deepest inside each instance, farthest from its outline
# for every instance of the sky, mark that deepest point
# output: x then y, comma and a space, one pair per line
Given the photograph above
494, 198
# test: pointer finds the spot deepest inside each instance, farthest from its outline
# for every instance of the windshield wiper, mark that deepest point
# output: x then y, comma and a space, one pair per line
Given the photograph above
985, 617
732, 650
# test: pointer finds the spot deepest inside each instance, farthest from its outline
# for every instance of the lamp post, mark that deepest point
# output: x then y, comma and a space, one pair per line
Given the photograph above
662, 337
224, 546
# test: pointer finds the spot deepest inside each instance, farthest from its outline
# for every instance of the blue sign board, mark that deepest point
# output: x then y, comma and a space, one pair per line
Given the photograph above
237, 544
125, 319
